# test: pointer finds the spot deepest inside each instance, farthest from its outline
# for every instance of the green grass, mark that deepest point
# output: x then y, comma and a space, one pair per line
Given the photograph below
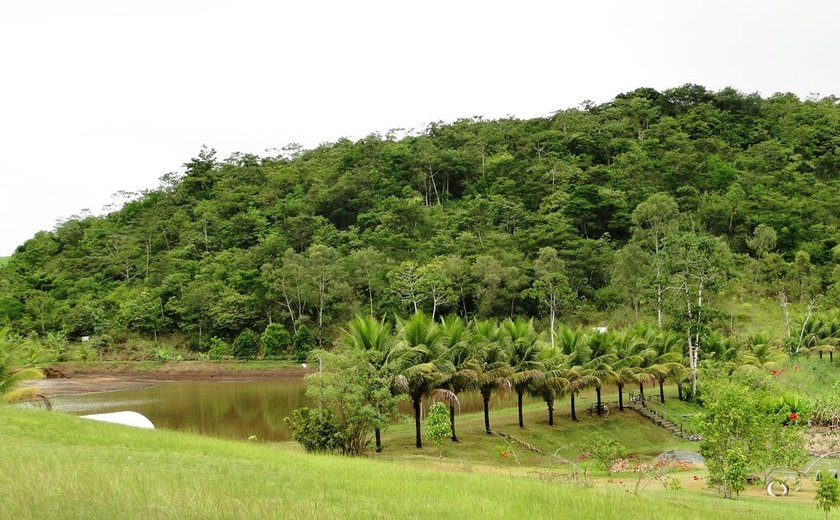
58, 466
568, 438
4, 260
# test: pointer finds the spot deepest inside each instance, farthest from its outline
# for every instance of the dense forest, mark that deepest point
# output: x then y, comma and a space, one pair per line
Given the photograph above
646, 207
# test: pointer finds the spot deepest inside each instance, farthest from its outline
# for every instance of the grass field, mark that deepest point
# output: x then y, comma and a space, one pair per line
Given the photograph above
58, 466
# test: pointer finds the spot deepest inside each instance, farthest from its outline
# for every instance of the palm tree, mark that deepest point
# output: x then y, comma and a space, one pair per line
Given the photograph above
627, 362
375, 337
420, 347
463, 362
522, 344
599, 365
666, 357
493, 367
762, 353
553, 382
12, 376
572, 343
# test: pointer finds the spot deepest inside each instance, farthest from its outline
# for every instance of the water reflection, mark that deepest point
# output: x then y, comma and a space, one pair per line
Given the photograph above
233, 409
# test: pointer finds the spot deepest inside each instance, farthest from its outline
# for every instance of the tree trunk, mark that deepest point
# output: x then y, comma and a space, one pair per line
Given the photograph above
831, 356
820, 353
598, 407
519, 404
661, 390
378, 433
574, 416
679, 391
642, 394
452, 421
416, 402
550, 404
620, 397
485, 396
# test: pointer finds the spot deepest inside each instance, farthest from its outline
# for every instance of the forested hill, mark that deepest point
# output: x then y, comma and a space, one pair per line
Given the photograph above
481, 218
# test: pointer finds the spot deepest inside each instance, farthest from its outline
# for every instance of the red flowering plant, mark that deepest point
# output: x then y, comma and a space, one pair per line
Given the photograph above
793, 411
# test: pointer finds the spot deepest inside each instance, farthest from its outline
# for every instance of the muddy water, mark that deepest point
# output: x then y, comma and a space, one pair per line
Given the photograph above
230, 409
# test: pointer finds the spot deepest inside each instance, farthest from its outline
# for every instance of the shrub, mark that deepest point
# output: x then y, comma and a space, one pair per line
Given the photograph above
275, 340
437, 426
219, 349
246, 345
316, 430
304, 343
605, 451
828, 495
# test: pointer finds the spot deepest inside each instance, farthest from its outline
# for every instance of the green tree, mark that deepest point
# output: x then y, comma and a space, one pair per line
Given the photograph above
654, 220
304, 342
745, 431
420, 349
522, 346
463, 365
246, 345
493, 369
437, 426
375, 338
827, 496
275, 340
551, 286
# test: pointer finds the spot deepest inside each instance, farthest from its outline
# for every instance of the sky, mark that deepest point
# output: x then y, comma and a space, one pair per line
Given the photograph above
98, 97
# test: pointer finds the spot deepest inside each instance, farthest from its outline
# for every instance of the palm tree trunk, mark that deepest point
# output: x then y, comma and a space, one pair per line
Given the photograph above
378, 433
485, 396
550, 403
661, 390
620, 397
641, 397
599, 408
831, 356
574, 417
519, 404
679, 391
452, 422
416, 402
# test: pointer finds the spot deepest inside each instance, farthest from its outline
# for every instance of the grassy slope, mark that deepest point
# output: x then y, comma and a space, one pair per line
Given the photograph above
58, 466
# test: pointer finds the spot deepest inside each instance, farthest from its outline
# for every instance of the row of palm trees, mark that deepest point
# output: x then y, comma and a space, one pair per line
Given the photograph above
424, 357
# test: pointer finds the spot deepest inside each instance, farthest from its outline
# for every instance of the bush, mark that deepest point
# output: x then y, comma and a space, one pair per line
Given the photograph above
275, 340
219, 349
304, 343
605, 451
246, 345
316, 430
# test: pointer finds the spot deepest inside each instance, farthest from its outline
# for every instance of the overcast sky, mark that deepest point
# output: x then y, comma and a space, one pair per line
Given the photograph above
102, 96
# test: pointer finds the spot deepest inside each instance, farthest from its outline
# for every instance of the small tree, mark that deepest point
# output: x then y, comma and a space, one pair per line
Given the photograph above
735, 471
605, 451
742, 427
275, 340
437, 426
219, 349
304, 342
359, 400
828, 494
246, 345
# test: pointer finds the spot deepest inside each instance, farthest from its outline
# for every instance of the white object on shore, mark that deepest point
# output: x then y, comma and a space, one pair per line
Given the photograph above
134, 419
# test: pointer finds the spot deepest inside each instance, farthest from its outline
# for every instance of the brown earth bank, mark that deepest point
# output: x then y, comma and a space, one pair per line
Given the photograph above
64, 379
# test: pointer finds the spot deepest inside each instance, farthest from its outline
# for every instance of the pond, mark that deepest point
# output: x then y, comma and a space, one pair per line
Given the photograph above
229, 409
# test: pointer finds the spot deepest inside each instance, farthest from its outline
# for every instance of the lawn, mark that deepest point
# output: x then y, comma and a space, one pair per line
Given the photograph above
59, 466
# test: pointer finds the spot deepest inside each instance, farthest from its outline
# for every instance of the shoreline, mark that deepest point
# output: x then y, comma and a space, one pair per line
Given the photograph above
117, 376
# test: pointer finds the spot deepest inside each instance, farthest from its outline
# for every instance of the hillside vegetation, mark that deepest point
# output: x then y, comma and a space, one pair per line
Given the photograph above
625, 210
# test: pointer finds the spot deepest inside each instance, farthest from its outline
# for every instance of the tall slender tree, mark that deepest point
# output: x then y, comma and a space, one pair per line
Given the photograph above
522, 344
420, 349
